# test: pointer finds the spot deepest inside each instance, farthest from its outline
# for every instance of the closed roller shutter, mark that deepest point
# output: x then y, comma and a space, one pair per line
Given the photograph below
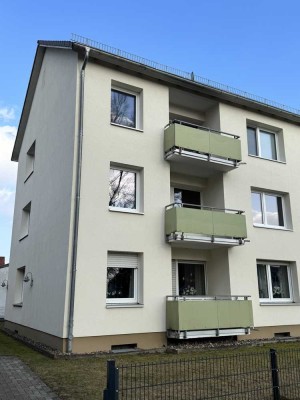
123, 260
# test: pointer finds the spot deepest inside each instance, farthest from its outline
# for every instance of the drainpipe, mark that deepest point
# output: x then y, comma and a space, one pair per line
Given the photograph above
77, 204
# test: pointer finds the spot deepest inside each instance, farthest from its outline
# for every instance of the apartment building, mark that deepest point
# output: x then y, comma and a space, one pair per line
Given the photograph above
150, 204
3, 285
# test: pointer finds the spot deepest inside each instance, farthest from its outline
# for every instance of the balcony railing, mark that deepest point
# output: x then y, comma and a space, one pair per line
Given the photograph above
201, 224
221, 150
208, 316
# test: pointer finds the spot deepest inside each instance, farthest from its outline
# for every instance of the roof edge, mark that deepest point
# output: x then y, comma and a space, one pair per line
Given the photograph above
34, 76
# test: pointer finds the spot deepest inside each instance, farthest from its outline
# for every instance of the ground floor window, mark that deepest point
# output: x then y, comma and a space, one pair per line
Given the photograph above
274, 282
123, 271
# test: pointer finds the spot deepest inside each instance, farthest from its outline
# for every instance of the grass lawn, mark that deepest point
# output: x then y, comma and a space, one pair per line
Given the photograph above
86, 378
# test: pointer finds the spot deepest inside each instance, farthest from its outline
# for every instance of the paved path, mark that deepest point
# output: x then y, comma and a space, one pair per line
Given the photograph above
18, 382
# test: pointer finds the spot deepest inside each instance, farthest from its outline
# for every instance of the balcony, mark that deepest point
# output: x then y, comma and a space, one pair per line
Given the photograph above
206, 227
200, 150
208, 316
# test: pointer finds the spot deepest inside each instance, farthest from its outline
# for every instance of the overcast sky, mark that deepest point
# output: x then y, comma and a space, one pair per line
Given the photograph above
250, 45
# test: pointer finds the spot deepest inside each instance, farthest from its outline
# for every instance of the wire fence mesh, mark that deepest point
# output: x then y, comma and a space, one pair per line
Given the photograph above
265, 375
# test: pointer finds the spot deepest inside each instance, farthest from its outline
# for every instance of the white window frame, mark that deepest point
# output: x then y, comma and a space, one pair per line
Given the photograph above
136, 281
263, 205
258, 143
270, 299
138, 188
175, 279
138, 106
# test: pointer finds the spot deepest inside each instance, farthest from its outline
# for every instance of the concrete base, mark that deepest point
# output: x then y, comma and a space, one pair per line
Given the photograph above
269, 332
91, 344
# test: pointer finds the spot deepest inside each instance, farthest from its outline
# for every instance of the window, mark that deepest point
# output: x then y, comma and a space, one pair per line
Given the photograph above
123, 278
189, 198
274, 282
126, 105
124, 189
19, 286
268, 209
188, 278
25, 221
262, 143
30, 160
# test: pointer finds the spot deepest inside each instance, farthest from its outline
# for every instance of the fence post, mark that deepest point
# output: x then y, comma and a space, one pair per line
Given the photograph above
275, 374
112, 386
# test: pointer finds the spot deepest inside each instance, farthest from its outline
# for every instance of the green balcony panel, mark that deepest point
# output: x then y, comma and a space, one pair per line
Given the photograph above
205, 222
193, 315
202, 140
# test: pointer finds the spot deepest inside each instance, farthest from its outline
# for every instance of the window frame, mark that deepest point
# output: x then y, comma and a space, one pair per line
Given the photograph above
271, 299
137, 290
123, 89
258, 131
19, 287
264, 210
30, 161
175, 276
138, 188
25, 221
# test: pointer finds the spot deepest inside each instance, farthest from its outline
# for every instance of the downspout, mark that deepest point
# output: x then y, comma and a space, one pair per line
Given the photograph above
77, 204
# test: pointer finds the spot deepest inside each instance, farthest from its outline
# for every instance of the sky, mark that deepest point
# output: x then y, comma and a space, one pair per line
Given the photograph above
249, 45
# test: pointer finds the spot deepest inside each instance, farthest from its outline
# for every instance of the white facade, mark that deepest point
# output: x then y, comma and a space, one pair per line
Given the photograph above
71, 96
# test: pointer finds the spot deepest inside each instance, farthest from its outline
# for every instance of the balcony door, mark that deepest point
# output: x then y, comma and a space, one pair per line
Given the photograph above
187, 198
189, 278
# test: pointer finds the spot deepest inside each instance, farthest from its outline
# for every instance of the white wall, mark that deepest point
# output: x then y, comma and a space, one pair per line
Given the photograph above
45, 251
101, 230
265, 244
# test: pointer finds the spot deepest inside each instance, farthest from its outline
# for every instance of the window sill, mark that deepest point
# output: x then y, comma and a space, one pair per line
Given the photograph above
127, 127
18, 305
23, 237
273, 303
28, 176
267, 159
125, 210
278, 228
124, 305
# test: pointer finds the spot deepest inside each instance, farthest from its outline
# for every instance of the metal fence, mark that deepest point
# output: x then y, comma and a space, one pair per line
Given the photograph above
182, 74
267, 375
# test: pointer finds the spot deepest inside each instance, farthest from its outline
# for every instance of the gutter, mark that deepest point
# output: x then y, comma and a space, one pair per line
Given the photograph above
77, 204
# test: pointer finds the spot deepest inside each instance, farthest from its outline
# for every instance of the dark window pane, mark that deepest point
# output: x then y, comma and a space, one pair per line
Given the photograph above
123, 109
122, 189
262, 281
252, 144
268, 145
274, 215
120, 283
191, 279
256, 208
280, 284
188, 197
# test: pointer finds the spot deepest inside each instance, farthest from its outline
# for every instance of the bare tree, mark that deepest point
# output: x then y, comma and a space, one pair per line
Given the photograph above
122, 109
122, 189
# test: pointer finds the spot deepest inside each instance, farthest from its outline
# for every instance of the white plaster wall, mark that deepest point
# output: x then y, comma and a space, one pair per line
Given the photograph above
45, 251
101, 230
3, 290
266, 244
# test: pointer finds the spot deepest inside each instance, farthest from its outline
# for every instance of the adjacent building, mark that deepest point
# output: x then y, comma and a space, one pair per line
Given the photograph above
150, 204
3, 285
